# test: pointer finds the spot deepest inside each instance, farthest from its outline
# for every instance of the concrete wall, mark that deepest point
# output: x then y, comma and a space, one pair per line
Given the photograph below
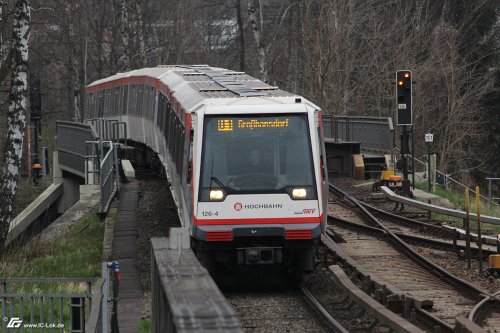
71, 185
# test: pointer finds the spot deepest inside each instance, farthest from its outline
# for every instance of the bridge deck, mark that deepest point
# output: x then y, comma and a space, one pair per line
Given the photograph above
130, 293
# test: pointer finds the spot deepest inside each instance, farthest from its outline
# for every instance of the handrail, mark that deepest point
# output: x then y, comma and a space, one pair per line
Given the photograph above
94, 322
437, 209
447, 177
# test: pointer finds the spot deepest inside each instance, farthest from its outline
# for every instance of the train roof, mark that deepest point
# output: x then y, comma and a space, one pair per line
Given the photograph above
201, 84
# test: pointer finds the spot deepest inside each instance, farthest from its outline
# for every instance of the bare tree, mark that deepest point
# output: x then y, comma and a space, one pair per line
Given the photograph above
257, 21
16, 118
241, 35
125, 36
139, 33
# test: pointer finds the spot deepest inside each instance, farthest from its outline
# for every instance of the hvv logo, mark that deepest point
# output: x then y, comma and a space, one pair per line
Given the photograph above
306, 212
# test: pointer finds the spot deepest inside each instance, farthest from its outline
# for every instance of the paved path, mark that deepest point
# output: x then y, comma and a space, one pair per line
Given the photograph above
130, 292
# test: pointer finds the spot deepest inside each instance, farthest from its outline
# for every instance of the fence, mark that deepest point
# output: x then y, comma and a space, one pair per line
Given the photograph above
446, 181
80, 153
101, 171
71, 145
109, 129
99, 318
40, 311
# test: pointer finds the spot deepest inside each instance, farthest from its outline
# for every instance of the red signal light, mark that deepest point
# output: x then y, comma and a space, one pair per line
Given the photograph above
407, 75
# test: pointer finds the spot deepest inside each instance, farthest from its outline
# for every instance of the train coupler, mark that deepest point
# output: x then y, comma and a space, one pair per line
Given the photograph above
260, 255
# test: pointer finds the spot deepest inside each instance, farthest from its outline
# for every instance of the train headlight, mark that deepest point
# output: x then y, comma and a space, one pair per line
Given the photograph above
299, 193
216, 195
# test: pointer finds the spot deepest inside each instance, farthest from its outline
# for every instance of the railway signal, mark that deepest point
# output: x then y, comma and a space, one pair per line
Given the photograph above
404, 97
404, 118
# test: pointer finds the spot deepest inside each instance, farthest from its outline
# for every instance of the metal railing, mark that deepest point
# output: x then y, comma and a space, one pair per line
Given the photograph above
447, 180
71, 145
108, 181
109, 129
100, 171
41, 311
99, 317
95, 319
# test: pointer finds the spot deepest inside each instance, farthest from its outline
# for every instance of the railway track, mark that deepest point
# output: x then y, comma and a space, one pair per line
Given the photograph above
274, 310
438, 297
326, 301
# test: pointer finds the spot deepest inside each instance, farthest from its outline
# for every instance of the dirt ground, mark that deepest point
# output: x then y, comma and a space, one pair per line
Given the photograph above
156, 214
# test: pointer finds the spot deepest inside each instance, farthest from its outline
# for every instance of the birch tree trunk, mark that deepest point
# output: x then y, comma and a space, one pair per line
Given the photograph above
75, 77
241, 36
140, 35
125, 37
16, 118
257, 21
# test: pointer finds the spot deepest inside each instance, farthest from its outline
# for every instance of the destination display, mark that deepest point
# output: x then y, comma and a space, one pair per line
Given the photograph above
229, 125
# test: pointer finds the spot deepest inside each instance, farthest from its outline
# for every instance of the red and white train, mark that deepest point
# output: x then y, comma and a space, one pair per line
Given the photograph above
245, 160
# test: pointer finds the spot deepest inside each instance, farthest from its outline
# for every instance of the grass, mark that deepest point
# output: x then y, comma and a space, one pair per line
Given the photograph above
457, 199
145, 326
77, 253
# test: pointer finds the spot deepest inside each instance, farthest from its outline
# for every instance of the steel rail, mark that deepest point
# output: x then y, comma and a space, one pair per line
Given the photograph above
461, 285
320, 310
411, 223
410, 239
481, 307
389, 295
381, 314
397, 242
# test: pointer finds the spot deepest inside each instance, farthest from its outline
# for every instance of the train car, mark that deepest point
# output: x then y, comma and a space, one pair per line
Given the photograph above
245, 160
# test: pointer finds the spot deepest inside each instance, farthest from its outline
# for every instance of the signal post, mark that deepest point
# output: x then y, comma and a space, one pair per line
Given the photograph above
404, 119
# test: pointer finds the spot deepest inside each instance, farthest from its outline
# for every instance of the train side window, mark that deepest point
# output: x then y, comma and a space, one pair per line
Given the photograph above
133, 94
116, 92
321, 164
165, 115
101, 104
189, 173
171, 129
108, 102
167, 119
119, 100
105, 102
146, 103
138, 109
159, 112
180, 150
152, 98
125, 100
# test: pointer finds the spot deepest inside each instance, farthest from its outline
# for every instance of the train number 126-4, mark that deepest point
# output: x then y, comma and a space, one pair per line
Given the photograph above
209, 213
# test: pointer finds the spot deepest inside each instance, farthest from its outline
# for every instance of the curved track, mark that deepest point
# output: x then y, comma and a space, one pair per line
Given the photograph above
441, 296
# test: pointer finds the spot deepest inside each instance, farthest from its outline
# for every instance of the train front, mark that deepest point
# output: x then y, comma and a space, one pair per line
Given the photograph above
260, 186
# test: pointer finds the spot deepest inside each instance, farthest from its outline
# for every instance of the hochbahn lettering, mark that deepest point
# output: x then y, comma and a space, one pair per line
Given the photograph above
263, 206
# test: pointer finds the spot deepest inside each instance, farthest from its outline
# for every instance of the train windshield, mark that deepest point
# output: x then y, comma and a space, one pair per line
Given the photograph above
249, 154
